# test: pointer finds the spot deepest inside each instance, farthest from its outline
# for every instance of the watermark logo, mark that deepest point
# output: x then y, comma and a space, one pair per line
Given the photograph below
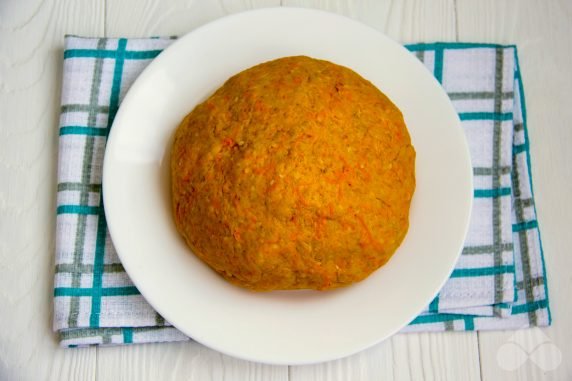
529, 345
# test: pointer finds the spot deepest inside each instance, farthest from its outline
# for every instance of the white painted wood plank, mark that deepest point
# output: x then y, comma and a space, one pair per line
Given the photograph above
436, 356
405, 21
375, 363
542, 32
176, 361
190, 360
143, 18
450, 356
372, 13
31, 47
68, 364
427, 356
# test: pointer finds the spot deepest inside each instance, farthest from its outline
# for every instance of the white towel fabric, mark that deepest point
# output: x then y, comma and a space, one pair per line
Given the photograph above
499, 281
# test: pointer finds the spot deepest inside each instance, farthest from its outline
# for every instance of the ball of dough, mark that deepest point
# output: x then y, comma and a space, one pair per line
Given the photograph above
295, 174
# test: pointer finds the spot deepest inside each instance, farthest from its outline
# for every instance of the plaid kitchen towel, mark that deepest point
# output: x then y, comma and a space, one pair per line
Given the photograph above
502, 260
498, 283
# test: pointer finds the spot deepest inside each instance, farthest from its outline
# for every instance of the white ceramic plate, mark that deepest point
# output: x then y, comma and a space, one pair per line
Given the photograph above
294, 327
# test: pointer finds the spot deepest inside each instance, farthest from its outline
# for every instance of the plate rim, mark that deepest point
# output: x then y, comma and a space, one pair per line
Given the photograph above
106, 184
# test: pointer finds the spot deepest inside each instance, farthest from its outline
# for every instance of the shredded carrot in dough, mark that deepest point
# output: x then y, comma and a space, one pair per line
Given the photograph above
296, 173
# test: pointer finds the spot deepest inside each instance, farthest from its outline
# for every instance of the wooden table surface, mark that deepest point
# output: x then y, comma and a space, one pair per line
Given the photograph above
31, 46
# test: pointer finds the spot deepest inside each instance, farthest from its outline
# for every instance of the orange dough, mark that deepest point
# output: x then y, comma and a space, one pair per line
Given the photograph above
296, 174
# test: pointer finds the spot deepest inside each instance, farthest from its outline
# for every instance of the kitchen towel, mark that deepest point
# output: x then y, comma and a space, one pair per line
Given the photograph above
499, 281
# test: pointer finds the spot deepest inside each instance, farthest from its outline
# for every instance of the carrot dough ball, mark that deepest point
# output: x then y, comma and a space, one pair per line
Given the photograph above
295, 174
